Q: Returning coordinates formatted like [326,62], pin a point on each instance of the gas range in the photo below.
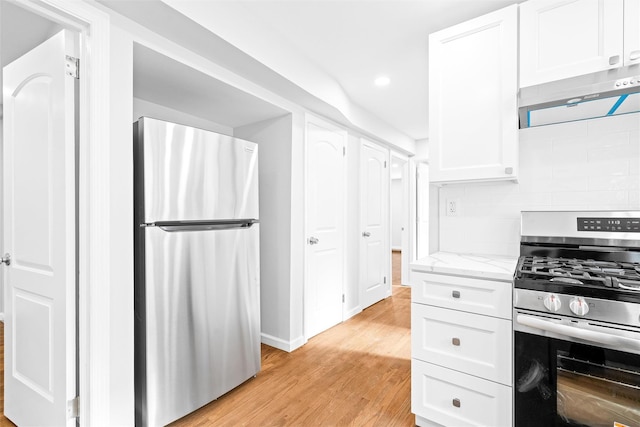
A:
[580,267]
[576,319]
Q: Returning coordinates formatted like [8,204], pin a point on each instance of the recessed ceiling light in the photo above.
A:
[382,81]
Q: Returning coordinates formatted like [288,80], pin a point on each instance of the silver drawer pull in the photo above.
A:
[455,341]
[456,402]
[455,294]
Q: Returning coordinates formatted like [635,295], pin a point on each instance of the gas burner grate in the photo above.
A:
[619,275]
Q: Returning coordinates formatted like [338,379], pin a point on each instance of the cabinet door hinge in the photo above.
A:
[72,66]
[385,163]
[344,151]
[384,279]
[343,298]
[73,407]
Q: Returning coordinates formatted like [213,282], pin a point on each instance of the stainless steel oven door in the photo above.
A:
[565,378]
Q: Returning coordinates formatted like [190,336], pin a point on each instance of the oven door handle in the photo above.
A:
[572,331]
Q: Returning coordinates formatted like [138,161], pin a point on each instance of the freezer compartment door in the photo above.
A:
[193,174]
[202,317]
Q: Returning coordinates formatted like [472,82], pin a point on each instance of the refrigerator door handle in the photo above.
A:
[220,224]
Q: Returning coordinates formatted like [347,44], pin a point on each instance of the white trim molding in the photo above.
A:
[281,344]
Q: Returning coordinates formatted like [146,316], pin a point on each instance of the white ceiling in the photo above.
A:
[351,42]
[346,42]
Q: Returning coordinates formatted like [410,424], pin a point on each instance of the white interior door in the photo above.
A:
[40,235]
[375,248]
[325,189]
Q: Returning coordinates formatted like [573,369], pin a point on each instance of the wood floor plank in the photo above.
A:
[354,374]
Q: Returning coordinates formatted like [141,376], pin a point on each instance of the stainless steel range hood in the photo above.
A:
[607,93]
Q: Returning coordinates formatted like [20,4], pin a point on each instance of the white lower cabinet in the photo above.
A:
[462,351]
[451,398]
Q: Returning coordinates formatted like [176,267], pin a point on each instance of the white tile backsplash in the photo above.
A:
[588,165]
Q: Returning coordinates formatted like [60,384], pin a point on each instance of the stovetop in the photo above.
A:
[583,277]
[578,271]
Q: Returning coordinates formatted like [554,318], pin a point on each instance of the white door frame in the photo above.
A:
[309,118]
[94,308]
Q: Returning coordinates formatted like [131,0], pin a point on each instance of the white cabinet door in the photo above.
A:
[631,32]
[471,343]
[450,398]
[567,38]
[39,233]
[375,251]
[473,123]
[325,227]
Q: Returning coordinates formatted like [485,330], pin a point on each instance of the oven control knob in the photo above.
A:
[552,302]
[579,306]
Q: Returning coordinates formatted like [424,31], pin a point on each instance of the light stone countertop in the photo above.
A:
[470,265]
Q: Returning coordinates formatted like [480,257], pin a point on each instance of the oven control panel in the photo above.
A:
[616,225]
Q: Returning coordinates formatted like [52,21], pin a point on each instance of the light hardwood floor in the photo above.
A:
[396,268]
[4,422]
[355,374]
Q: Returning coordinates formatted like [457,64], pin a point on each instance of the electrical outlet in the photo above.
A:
[453,206]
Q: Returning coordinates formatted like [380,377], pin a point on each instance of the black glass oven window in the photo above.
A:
[559,383]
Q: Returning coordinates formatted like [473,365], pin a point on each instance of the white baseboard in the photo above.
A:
[396,248]
[281,344]
[1,317]
[349,314]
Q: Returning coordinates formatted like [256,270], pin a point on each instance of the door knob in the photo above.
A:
[6,259]
[366,234]
[313,241]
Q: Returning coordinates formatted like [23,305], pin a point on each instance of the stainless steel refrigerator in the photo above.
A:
[197,303]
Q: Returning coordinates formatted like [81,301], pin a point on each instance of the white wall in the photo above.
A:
[422,150]
[584,165]
[397,212]
[145,108]
[274,139]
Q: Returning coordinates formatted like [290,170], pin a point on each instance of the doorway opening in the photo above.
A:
[399,219]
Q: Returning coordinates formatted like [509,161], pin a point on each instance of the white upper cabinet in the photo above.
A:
[473,123]
[567,38]
[631,32]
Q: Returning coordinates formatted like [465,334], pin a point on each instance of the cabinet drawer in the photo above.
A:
[452,398]
[489,297]
[478,345]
